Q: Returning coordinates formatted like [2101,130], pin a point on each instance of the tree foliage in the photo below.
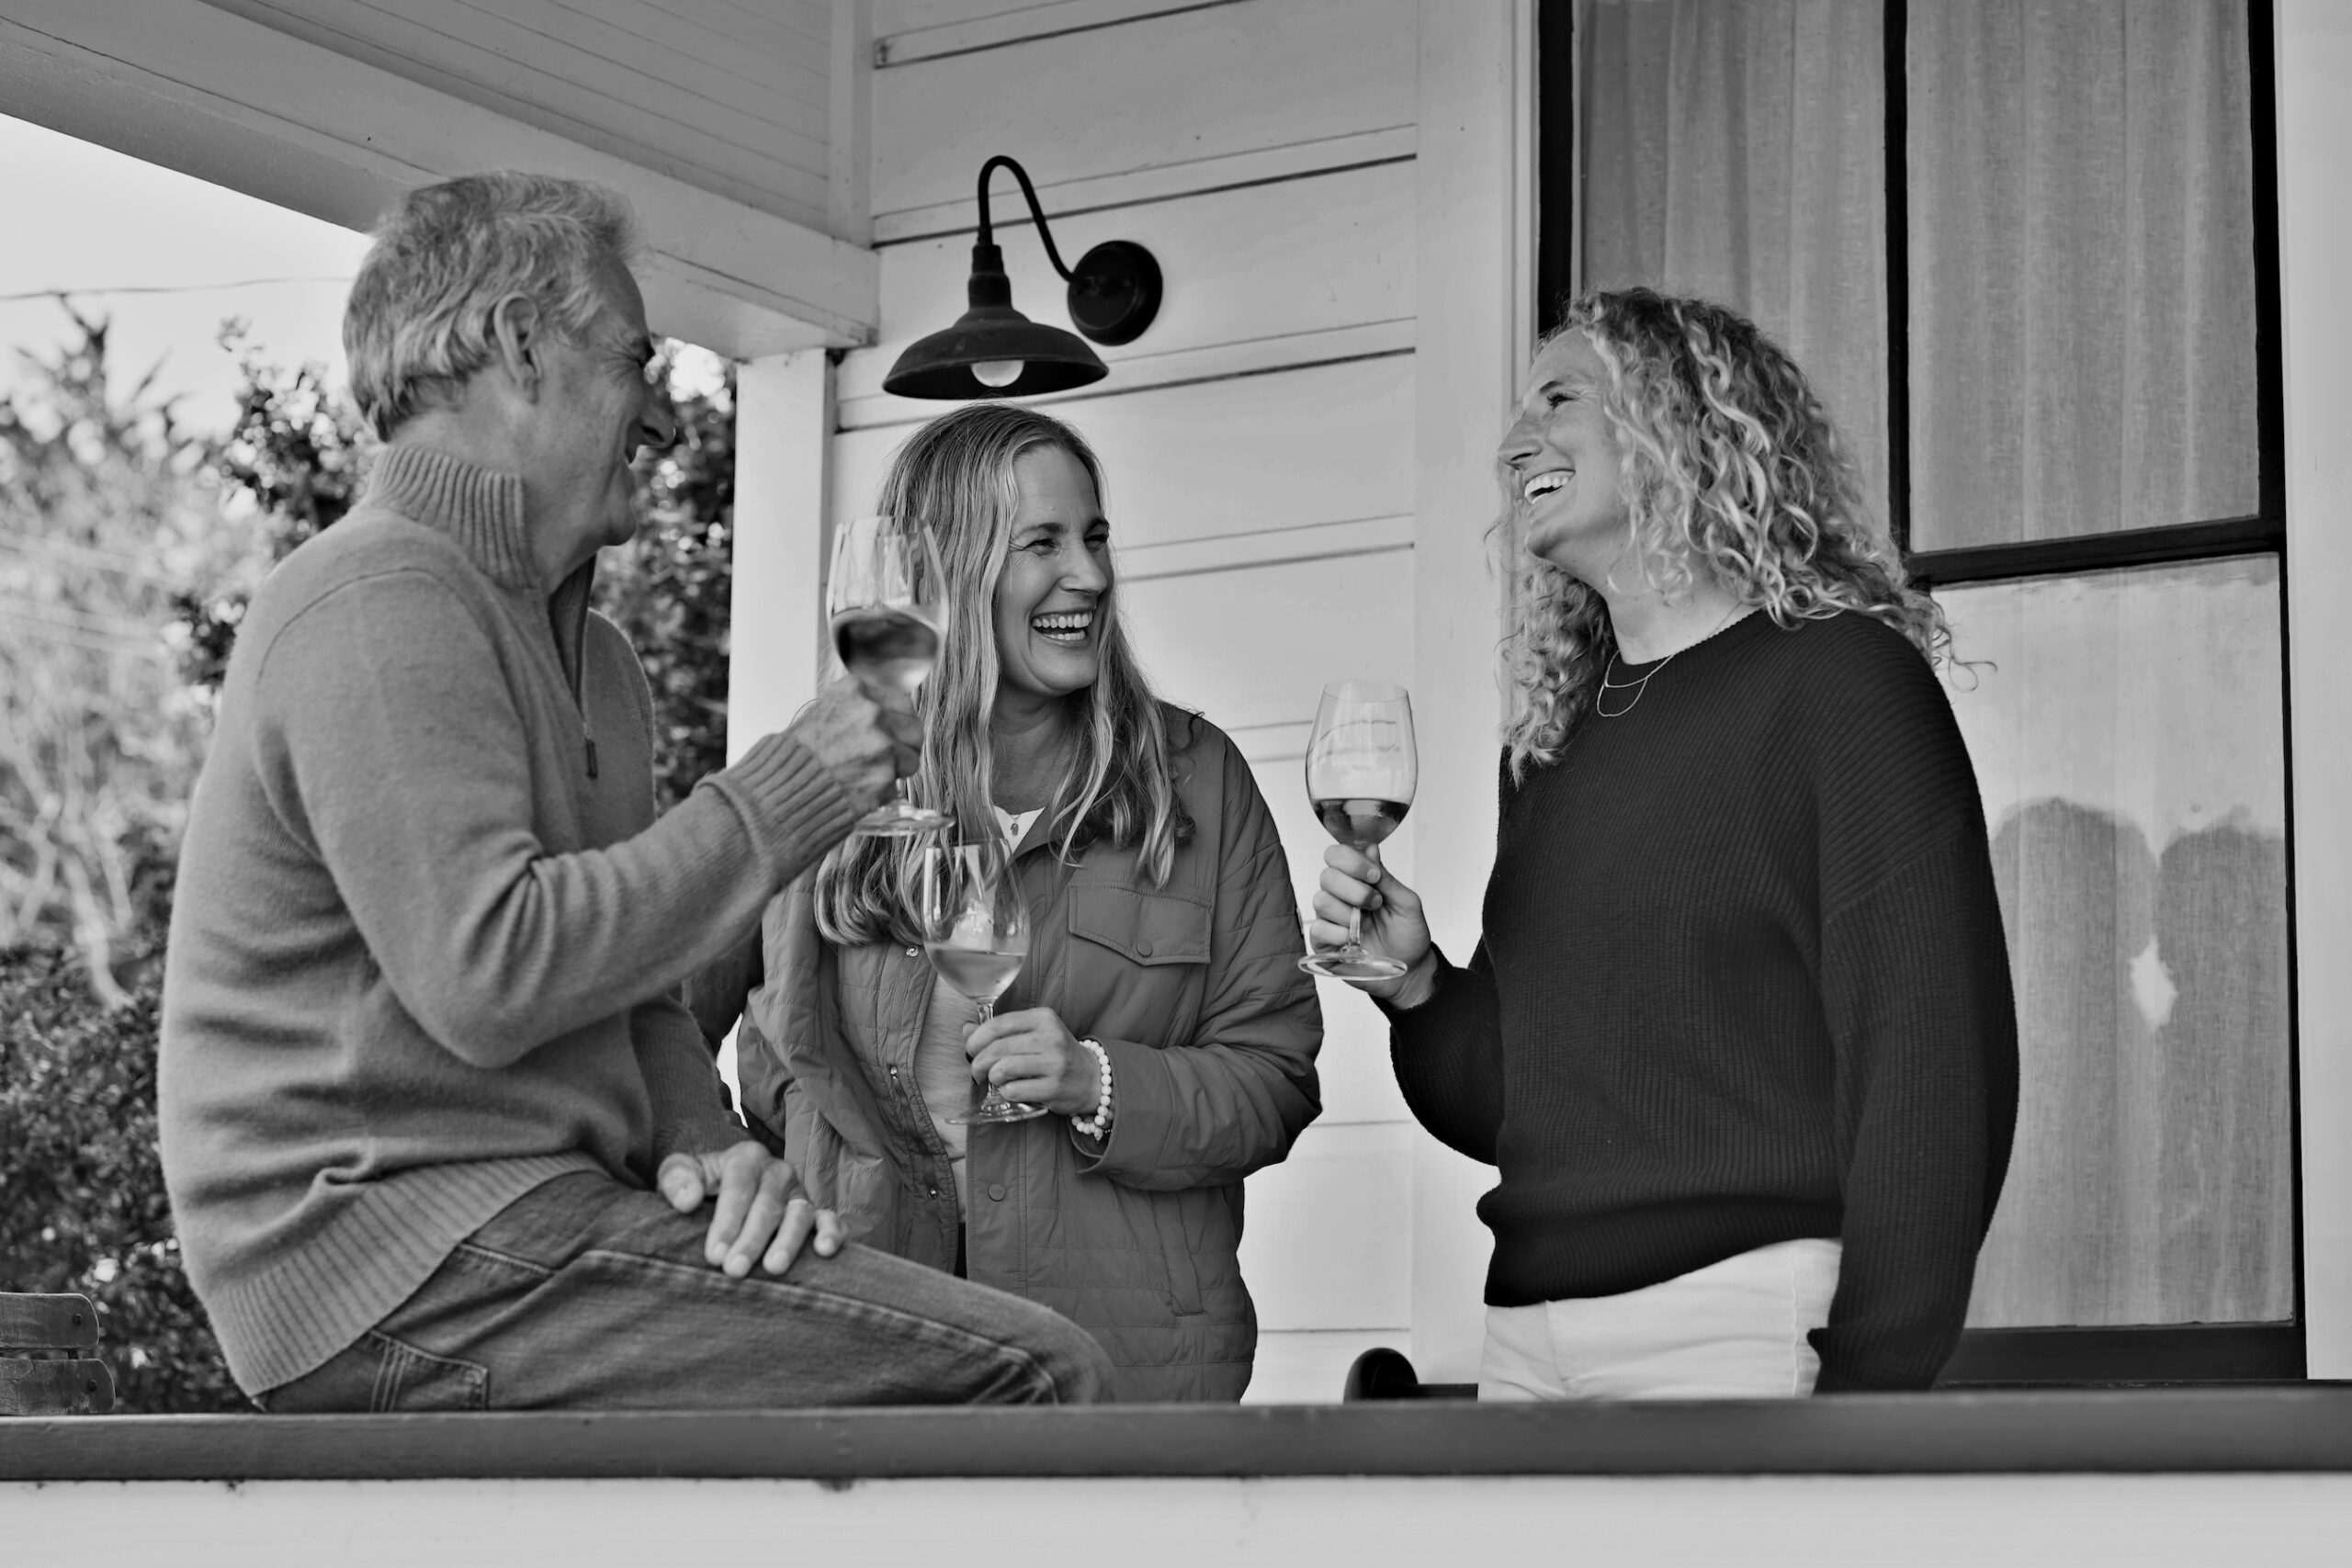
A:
[82,1202]
[108,509]
[669,590]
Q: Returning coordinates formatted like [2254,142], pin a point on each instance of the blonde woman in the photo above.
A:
[1160,1018]
[1738,1035]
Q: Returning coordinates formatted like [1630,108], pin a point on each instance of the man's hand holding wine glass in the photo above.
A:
[867,745]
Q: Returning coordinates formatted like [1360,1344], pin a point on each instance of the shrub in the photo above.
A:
[82,1204]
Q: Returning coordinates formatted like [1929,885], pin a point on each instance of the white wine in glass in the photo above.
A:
[976,933]
[884,600]
[1361,773]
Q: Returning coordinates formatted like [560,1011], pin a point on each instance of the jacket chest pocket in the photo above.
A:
[1147,928]
[1138,962]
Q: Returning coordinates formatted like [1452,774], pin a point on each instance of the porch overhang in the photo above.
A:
[182,84]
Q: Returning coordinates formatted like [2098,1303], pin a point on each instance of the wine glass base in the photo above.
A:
[1000,1111]
[899,822]
[1340,965]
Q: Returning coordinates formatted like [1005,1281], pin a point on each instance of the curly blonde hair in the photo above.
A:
[1729,466]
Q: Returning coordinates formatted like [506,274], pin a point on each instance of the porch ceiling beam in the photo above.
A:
[180,84]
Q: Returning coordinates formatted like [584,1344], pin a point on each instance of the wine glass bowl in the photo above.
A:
[1362,770]
[976,933]
[883,605]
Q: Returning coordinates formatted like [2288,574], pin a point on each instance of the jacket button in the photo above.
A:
[996,1191]
[1143,950]
[934,1191]
[914,952]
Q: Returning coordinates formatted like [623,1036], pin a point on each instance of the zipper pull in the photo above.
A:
[591,756]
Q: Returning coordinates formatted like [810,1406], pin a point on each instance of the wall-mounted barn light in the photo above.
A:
[994,351]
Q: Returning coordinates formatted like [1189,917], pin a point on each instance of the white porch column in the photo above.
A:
[2315,60]
[1473,258]
[784,436]
[783,441]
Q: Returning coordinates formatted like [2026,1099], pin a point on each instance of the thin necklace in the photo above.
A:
[1637,687]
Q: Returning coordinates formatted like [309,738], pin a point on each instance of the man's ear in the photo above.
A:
[518,340]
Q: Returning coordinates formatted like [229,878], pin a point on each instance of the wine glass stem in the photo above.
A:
[990,1097]
[1355,915]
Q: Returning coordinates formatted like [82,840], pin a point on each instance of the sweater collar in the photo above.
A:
[480,508]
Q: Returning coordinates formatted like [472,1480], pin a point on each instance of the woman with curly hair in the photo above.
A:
[1738,1034]
[1161,1019]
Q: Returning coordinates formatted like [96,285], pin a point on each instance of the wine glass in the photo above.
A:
[1361,771]
[883,601]
[976,932]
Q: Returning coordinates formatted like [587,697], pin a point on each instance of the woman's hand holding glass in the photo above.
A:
[976,931]
[1031,1058]
[1392,925]
[1362,770]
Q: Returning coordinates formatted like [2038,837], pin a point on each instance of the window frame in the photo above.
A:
[2166,1353]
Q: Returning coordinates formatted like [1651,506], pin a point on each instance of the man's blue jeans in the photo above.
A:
[584,1294]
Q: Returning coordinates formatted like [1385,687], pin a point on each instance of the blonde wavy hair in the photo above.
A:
[956,477]
[1729,466]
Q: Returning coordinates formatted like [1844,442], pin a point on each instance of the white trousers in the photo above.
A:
[1732,1330]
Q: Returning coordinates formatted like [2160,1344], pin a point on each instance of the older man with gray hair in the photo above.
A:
[437,1132]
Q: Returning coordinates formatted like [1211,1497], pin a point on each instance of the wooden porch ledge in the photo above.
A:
[2302,1428]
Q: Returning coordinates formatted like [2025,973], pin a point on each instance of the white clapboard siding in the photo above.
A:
[1257,279]
[924,29]
[1254,648]
[1325,1243]
[1315,461]
[1190,87]
[1299,1366]
[598,72]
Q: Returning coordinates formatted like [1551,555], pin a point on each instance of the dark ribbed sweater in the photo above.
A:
[1742,981]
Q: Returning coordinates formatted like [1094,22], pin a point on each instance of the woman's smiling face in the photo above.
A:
[1562,461]
[1049,624]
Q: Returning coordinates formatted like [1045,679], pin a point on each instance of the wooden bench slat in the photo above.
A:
[76,1387]
[48,1323]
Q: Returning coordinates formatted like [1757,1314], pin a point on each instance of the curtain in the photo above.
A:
[2081,239]
[1736,149]
[2124,728]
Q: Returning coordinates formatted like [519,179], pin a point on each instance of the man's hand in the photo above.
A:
[1032,1059]
[863,743]
[763,1217]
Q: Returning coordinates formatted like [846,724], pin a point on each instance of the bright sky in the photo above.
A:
[82,217]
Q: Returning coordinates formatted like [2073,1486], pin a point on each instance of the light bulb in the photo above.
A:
[997,372]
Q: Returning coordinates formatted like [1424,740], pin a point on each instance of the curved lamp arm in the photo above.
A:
[1001,161]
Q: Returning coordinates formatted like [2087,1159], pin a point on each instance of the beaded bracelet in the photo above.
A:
[1099,1124]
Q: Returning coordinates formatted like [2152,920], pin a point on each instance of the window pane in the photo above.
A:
[1736,149]
[2081,239]
[2128,736]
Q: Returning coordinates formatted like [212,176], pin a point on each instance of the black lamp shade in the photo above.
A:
[940,366]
